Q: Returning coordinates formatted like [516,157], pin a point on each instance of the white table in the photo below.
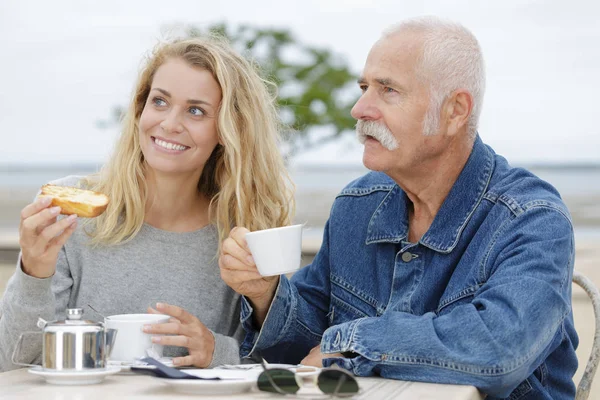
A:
[19,384]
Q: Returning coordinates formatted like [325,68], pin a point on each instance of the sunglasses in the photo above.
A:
[332,381]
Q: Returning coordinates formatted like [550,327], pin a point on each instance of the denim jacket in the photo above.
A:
[483,298]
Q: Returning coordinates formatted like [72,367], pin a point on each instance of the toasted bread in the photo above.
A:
[71,200]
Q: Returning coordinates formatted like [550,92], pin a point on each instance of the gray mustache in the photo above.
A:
[378,131]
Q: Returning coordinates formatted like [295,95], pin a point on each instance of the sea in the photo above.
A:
[579,185]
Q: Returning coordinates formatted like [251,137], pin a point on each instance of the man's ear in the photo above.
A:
[458,108]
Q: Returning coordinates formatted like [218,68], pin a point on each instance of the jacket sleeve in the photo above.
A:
[25,300]
[496,340]
[297,317]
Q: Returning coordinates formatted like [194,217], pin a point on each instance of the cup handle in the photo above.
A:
[17,349]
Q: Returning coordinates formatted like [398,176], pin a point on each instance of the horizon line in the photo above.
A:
[96,166]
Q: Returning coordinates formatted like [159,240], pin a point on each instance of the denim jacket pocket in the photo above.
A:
[463,296]
[541,373]
[521,391]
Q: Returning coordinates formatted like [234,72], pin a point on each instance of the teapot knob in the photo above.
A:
[74,313]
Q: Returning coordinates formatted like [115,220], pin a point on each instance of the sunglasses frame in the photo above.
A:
[344,377]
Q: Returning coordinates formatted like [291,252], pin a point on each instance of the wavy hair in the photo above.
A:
[245,177]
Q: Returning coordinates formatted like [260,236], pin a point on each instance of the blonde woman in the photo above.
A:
[198,154]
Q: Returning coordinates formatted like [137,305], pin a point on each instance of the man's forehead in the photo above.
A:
[402,47]
[393,55]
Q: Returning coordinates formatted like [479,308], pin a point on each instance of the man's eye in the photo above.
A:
[159,102]
[363,88]
[196,111]
[388,89]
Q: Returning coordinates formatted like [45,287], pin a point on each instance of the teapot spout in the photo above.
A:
[111,335]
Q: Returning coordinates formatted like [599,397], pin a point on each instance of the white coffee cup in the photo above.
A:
[131,342]
[276,251]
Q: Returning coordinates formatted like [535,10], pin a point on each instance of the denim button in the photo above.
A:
[406,257]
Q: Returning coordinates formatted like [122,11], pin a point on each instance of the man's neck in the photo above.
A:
[428,185]
[174,203]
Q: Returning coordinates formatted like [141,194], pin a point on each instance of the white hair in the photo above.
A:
[378,131]
[450,59]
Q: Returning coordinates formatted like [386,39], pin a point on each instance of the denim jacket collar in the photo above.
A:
[389,222]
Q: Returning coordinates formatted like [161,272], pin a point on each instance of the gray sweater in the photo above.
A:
[156,266]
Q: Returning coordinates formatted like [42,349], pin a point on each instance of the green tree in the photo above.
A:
[316,87]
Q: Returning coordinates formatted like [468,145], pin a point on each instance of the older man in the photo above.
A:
[444,264]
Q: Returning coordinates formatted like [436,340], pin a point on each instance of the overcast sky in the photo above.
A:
[65,64]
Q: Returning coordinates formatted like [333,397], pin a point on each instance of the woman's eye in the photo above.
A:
[159,102]
[196,111]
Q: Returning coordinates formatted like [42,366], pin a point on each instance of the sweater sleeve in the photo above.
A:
[227,350]
[25,300]
[227,346]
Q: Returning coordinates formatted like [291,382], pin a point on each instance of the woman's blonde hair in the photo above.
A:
[245,177]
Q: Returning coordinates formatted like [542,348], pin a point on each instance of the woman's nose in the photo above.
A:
[172,123]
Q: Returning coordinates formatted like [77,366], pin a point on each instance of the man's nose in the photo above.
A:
[172,122]
[365,107]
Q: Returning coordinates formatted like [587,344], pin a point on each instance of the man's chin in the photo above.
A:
[371,162]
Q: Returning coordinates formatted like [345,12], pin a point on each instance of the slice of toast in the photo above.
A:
[71,200]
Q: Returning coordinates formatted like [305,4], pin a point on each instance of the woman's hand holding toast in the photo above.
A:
[41,237]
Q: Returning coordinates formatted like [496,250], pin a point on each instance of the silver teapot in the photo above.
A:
[73,344]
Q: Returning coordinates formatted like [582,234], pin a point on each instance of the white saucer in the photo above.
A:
[233,382]
[303,371]
[125,366]
[89,377]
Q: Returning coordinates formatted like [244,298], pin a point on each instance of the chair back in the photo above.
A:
[585,384]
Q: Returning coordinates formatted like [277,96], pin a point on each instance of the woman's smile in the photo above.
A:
[168,146]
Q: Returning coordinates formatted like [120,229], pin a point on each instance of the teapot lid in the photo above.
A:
[74,318]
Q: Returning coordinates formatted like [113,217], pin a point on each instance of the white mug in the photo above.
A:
[131,342]
[276,251]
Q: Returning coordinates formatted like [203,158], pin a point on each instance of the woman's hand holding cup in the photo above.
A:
[186,331]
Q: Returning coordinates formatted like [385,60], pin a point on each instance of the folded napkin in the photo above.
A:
[162,371]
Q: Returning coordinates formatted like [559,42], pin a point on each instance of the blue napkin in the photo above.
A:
[162,371]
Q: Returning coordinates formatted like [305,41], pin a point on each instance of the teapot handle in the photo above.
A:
[18,348]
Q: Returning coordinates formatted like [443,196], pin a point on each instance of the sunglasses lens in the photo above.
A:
[284,379]
[335,381]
